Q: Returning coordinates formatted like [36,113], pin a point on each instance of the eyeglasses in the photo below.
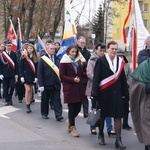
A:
[114,49]
[83,42]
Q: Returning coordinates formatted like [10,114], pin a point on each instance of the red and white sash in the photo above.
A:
[8,59]
[31,64]
[113,78]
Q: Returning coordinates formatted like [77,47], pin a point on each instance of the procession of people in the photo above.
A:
[104,78]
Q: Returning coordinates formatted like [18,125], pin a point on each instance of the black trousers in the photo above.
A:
[85,102]
[20,90]
[126,110]
[8,87]
[53,94]
[74,109]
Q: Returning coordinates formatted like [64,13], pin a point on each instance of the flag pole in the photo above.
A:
[134,42]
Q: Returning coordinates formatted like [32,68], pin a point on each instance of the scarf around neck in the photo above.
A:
[68,59]
[112,64]
[74,63]
[95,55]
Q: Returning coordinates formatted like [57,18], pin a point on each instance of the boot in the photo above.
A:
[101,140]
[119,145]
[125,124]
[147,147]
[28,108]
[68,125]
[74,132]
[127,127]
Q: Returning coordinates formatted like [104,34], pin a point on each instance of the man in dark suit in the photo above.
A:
[86,54]
[8,72]
[49,83]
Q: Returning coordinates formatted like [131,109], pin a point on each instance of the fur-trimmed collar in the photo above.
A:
[66,59]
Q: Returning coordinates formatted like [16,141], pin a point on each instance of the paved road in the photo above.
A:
[22,131]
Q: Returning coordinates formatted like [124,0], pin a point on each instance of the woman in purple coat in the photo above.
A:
[71,76]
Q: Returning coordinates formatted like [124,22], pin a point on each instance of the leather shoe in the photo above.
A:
[59,118]
[45,117]
[127,127]
[7,104]
[20,100]
[111,133]
[93,131]
[11,103]
[101,140]
[32,101]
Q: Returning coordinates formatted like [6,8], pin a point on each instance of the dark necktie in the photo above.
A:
[52,59]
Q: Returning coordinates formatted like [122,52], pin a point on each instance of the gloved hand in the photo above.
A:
[41,89]
[35,80]
[16,78]
[123,97]
[1,77]
[22,79]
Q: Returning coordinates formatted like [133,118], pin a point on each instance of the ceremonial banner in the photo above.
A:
[11,36]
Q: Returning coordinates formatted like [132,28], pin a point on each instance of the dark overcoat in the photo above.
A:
[109,99]
[86,54]
[6,70]
[26,71]
[73,92]
[46,75]
[143,55]
[140,111]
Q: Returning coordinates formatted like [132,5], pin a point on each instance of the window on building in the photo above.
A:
[145,23]
[118,15]
[144,7]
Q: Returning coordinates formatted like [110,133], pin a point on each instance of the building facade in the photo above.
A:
[121,9]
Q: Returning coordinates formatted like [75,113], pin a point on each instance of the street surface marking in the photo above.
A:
[7,109]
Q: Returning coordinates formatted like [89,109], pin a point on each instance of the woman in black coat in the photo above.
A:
[28,69]
[109,87]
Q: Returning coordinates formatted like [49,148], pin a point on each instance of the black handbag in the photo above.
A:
[94,118]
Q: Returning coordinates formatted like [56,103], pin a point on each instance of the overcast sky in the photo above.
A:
[90,9]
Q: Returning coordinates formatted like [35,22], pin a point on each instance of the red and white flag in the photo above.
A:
[134,40]
[12,36]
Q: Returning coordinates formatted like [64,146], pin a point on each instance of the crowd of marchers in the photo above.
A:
[103,76]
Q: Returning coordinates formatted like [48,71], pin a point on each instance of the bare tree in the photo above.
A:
[30,18]
[36,16]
